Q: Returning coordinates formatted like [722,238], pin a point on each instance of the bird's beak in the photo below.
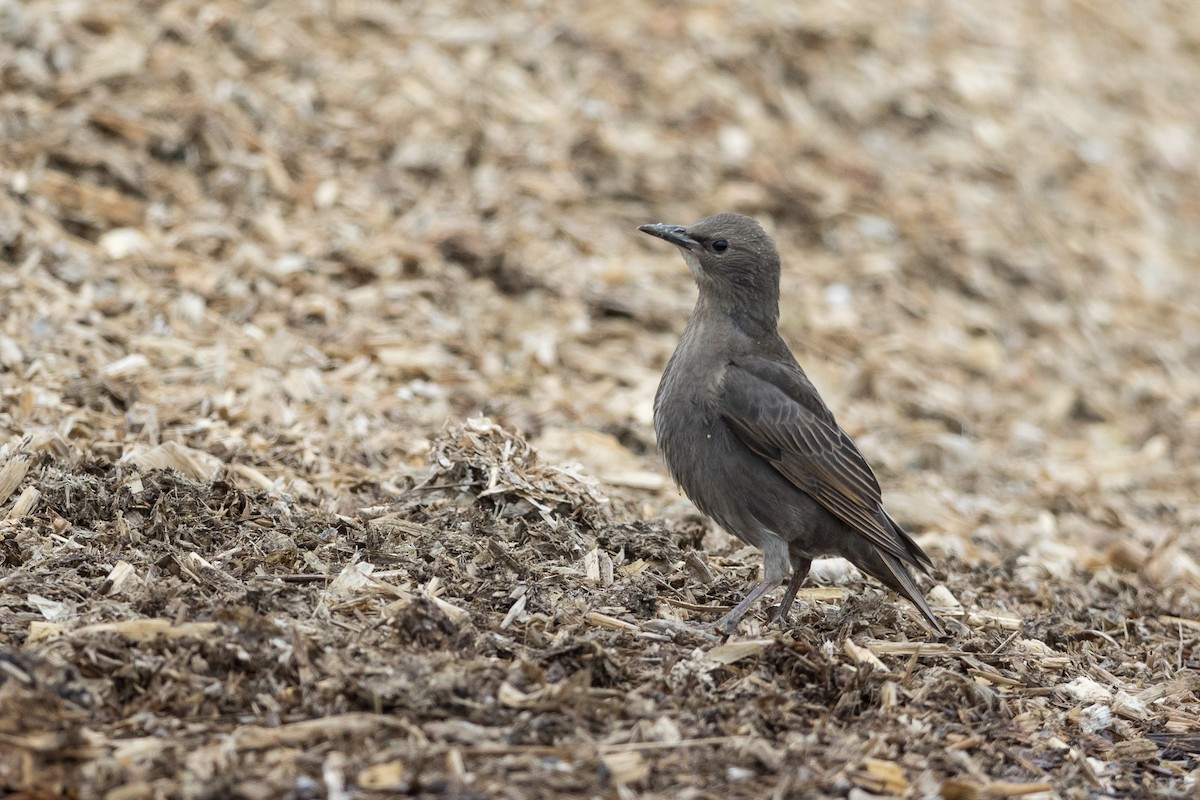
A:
[675,234]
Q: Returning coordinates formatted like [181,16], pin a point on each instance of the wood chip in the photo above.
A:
[391,776]
[887,648]
[11,475]
[1185,682]
[963,789]
[1134,750]
[628,767]
[189,461]
[881,777]
[96,205]
[734,651]
[143,630]
[121,572]
[598,567]
[863,655]
[604,620]
[25,503]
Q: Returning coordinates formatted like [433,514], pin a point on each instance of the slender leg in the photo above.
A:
[728,623]
[800,567]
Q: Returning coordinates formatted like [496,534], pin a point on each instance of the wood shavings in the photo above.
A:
[512,474]
[118,576]
[328,351]
[598,567]
[864,656]
[11,475]
[626,768]
[880,777]
[141,630]
[387,777]
[732,652]
[188,461]
[959,789]
[601,455]
[24,504]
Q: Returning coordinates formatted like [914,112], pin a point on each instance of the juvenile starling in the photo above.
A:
[748,439]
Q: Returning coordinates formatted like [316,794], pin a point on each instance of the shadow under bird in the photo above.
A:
[748,439]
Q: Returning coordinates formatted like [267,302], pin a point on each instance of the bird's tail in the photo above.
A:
[891,572]
[919,559]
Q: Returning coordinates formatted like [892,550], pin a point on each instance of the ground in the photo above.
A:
[328,346]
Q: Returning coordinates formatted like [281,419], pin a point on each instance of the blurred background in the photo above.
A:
[300,237]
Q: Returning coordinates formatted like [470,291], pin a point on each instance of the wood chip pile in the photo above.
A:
[327,352]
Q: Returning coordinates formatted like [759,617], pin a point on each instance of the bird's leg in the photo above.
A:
[728,623]
[800,567]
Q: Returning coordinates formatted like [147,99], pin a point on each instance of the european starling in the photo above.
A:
[748,439]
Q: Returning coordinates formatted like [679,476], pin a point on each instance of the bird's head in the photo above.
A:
[733,260]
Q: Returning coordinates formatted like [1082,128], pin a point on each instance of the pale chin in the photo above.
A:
[693,263]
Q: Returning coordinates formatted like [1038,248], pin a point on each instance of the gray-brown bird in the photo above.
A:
[748,439]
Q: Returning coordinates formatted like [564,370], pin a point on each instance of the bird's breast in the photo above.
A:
[687,425]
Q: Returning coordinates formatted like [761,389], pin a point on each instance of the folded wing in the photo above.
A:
[776,412]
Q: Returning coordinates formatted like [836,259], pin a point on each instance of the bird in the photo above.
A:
[747,437]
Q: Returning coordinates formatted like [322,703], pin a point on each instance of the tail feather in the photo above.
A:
[919,559]
[891,572]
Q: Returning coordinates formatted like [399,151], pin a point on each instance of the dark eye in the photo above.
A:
[720,246]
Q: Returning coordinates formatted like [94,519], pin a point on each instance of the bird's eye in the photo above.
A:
[720,246]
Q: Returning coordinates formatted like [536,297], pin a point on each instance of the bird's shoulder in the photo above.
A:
[775,409]
[772,366]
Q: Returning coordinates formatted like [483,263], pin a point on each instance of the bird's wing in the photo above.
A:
[782,372]
[809,449]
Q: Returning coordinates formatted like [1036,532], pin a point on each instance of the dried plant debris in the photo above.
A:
[426,652]
[499,467]
[327,353]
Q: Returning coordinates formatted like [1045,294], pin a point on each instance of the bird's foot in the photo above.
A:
[726,625]
[673,627]
[781,614]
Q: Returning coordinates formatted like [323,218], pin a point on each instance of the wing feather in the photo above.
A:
[803,442]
